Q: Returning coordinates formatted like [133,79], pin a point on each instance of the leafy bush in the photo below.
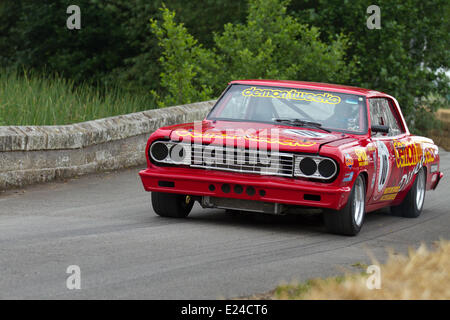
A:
[140,70]
[272,44]
[187,65]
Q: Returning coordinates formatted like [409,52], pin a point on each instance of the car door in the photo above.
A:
[388,170]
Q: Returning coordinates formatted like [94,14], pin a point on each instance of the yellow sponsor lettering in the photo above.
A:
[407,155]
[392,190]
[388,197]
[292,95]
[363,160]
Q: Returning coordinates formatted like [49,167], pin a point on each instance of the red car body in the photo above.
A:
[387,163]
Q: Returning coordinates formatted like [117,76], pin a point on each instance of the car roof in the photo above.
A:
[312,86]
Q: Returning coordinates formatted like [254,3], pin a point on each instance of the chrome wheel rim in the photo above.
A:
[358,202]
[420,190]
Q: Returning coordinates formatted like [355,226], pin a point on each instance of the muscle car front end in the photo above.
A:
[280,146]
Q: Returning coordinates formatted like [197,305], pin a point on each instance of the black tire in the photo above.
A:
[172,205]
[409,207]
[344,221]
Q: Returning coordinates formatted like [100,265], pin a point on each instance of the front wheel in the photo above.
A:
[412,205]
[172,205]
[348,221]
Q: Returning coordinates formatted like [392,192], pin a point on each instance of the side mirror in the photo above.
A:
[378,128]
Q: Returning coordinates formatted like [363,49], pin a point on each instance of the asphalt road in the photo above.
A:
[105,225]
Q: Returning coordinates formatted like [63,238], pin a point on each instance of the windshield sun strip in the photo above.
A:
[226,91]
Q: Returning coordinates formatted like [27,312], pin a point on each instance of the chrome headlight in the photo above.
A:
[315,167]
[170,152]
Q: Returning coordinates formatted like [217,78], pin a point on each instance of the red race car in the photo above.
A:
[279,146]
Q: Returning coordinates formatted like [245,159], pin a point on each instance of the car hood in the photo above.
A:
[254,135]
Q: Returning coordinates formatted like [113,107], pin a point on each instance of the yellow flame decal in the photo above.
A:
[209,135]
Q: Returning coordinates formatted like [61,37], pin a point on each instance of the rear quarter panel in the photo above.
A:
[418,152]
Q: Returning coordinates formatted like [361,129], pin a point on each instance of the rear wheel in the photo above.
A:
[172,205]
[348,220]
[412,205]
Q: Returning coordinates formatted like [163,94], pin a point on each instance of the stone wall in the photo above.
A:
[34,154]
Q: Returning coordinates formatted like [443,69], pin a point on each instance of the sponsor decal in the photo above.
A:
[388,197]
[348,160]
[362,157]
[409,154]
[351,101]
[430,155]
[374,156]
[390,193]
[392,190]
[383,165]
[406,179]
[348,177]
[249,137]
[291,94]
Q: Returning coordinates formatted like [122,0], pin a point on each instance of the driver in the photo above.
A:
[345,116]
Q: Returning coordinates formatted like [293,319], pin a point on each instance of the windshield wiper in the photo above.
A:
[302,123]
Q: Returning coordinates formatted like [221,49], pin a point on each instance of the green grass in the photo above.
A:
[32,99]
[299,290]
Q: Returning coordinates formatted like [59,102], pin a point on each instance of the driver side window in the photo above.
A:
[382,114]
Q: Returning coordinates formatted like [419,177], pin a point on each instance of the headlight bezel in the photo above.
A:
[298,173]
[171,154]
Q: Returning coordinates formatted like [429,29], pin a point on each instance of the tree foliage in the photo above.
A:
[271,44]
[187,65]
[114,43]
[37,38]
[274,44]
[406,58]
[221,40]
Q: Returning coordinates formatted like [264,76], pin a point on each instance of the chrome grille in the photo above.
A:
[242,160]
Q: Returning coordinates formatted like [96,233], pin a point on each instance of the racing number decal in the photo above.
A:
[382,165]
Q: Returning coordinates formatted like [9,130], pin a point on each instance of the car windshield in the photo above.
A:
[297,107]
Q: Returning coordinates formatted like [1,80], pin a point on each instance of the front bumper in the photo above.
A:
[199,182]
